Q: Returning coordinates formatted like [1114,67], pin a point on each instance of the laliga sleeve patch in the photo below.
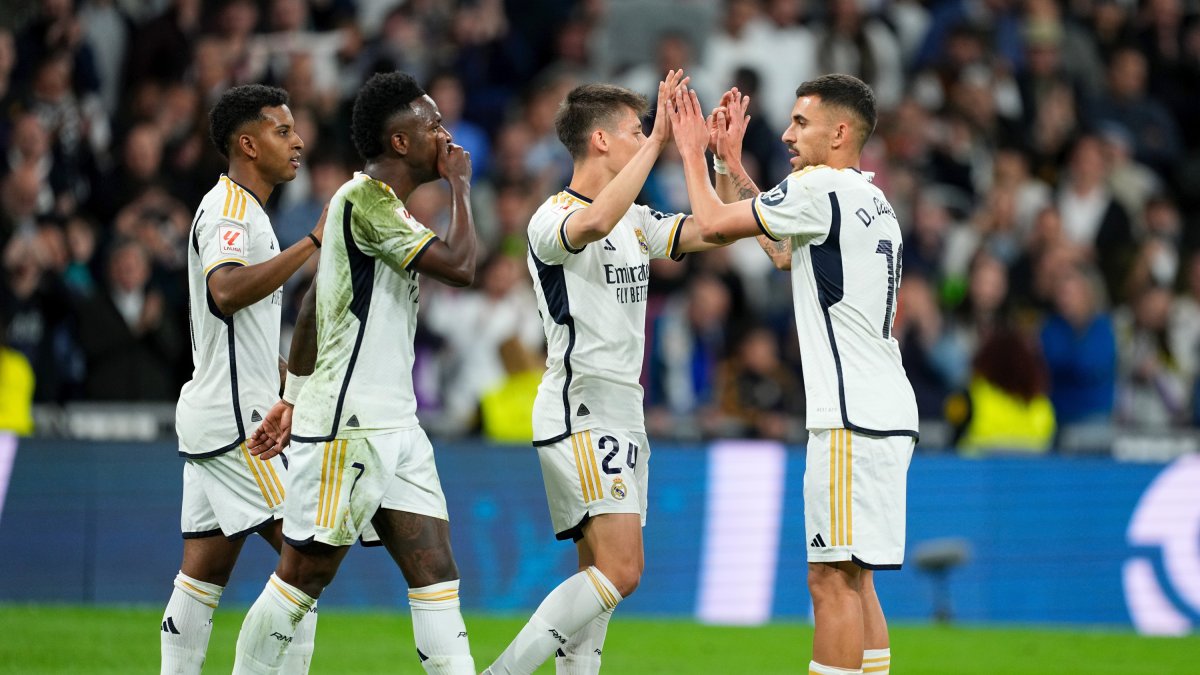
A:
[776,195]
[406,218]
[232,239]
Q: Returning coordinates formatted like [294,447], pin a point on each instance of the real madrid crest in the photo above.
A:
[618,489]
[642,240]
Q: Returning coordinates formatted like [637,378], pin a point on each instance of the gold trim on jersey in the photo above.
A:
[841,511]
[763,221]
[421,246]
[222,261]
[671,238]
[235,200]
[808,169]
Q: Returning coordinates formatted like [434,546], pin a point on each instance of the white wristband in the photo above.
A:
[292,387]
[720,166]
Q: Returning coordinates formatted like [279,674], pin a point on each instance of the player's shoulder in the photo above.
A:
[229,201]
[364,191]
[558,205]
[817,174]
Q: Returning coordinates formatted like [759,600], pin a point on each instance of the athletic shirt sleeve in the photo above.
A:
[662,232]
[548,230]
[793,209]
[220,242]
[387,231]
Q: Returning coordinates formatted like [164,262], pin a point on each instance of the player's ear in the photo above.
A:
[600,140]
[245,143]
[399,141]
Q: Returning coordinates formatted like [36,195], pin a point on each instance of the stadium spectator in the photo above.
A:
[1154,389]
[757,395]
[129,347]
[1080,349]
[1004,407]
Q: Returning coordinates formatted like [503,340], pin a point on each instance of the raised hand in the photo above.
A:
[661,133]
[453,162]
[688,123]
[729,136]
[719,115]
[273,434]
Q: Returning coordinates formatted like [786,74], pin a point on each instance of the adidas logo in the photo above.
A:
[353,421]
[421,655]
[255,417]
[817,541]
[582,410]
[168,626]
[608,246]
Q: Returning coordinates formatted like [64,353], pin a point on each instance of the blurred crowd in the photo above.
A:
[1037,153]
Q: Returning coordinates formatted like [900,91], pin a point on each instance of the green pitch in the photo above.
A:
[54,639]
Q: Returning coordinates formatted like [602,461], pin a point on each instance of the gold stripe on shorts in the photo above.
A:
[849,484]
[590,455]
[262,487]
[584,482]
[324,492]
[275,478]
[833,531]
[335,496]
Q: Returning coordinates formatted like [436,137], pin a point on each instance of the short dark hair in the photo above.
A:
[238,106]
[846,92]
[589,106]
[384,95]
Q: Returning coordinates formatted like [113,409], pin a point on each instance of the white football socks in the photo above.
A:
[439,631]
[569,607]
[270,627]
[298,658]
[187,625]
[581,654]
[877,661]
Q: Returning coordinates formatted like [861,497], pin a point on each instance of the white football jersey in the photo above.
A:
[366,317]
[235,377]
[593,306]
[846,268]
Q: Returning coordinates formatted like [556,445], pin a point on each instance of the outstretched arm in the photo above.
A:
[719,223]
[275,432]
[598,220]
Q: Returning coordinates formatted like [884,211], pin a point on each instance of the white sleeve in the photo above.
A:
[791,209]
[662,231]
[221,242]
[548,232]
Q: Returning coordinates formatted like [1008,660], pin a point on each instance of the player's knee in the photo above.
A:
[625,577]
[830,582]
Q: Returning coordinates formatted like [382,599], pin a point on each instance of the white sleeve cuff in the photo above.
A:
[292,387]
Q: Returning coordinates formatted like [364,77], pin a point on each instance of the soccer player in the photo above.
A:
[235,273]
[589,252]
[359,458]
[845,249]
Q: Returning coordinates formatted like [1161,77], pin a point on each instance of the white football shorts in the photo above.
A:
[591,473]
[233,494]
[855,495]
[335,487]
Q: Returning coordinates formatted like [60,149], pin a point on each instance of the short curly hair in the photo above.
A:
[384,95]
[589,106]
[238,106]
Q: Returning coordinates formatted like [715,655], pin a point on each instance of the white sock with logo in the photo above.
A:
[569,607]
[270,627]
[439,631]
[187,625]
[581,654]
[298,658]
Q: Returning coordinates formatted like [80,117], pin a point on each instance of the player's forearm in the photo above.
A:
[460,236]
[598,220]
[302,358]
[235,288]
[706,205]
